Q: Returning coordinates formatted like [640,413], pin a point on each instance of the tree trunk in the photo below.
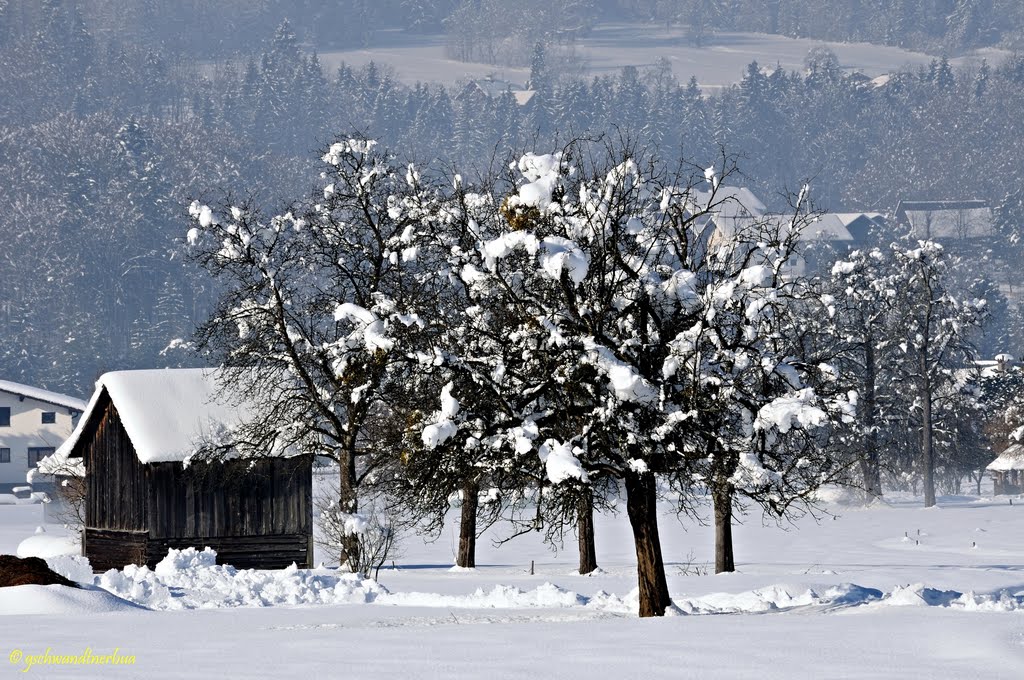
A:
[641,506]
[869,456]
[721,496]
[585,532]
[348,501]
[467,527]
[927,459]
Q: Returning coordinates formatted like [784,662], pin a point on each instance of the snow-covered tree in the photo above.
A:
[659,354]
[318,314]
[1002,410]
[938,325]
[476,388]
[862,323]
[905,342]
[762,396]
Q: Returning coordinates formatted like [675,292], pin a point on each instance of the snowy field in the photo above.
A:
[860,596]
[611,46]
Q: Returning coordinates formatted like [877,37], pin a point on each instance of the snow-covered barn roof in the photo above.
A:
[946,219]
[46,396]
[1010,459]
[167,413]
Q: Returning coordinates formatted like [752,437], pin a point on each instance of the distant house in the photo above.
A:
[137,432]
[947,221]
[726,205]
[843,230]
[722,213]
[1002,365]
[834,234]
[734,209]
[1008,470]
[478,90]
[33,423]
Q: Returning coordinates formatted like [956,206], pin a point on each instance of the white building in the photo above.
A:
[734,210]
[33,423]
[947,220]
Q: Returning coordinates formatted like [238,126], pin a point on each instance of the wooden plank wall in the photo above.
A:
[114,549]
[116,489]
[242,552]
[270,497]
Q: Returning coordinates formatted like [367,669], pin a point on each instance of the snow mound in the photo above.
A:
[833,494]
[851,594]
[762,600]
[597,572]
[547,596]
[46,546]
[606,602]
[918,595]
[770,599]
[191,579]
[182,560]
[27,600]
[72,567]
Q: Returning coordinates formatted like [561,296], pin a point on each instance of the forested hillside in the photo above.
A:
[208,29]
[114,115]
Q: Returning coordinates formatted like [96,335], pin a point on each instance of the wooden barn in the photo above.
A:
[136,434]
[1008,471]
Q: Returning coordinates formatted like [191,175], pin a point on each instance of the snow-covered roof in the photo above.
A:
[1010,459]
[849,218]
[728,202]
[860,224]
[167,413]
[947,219]
[991,368]
[30,392]
[523,97]
[828,227]
[844,227]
